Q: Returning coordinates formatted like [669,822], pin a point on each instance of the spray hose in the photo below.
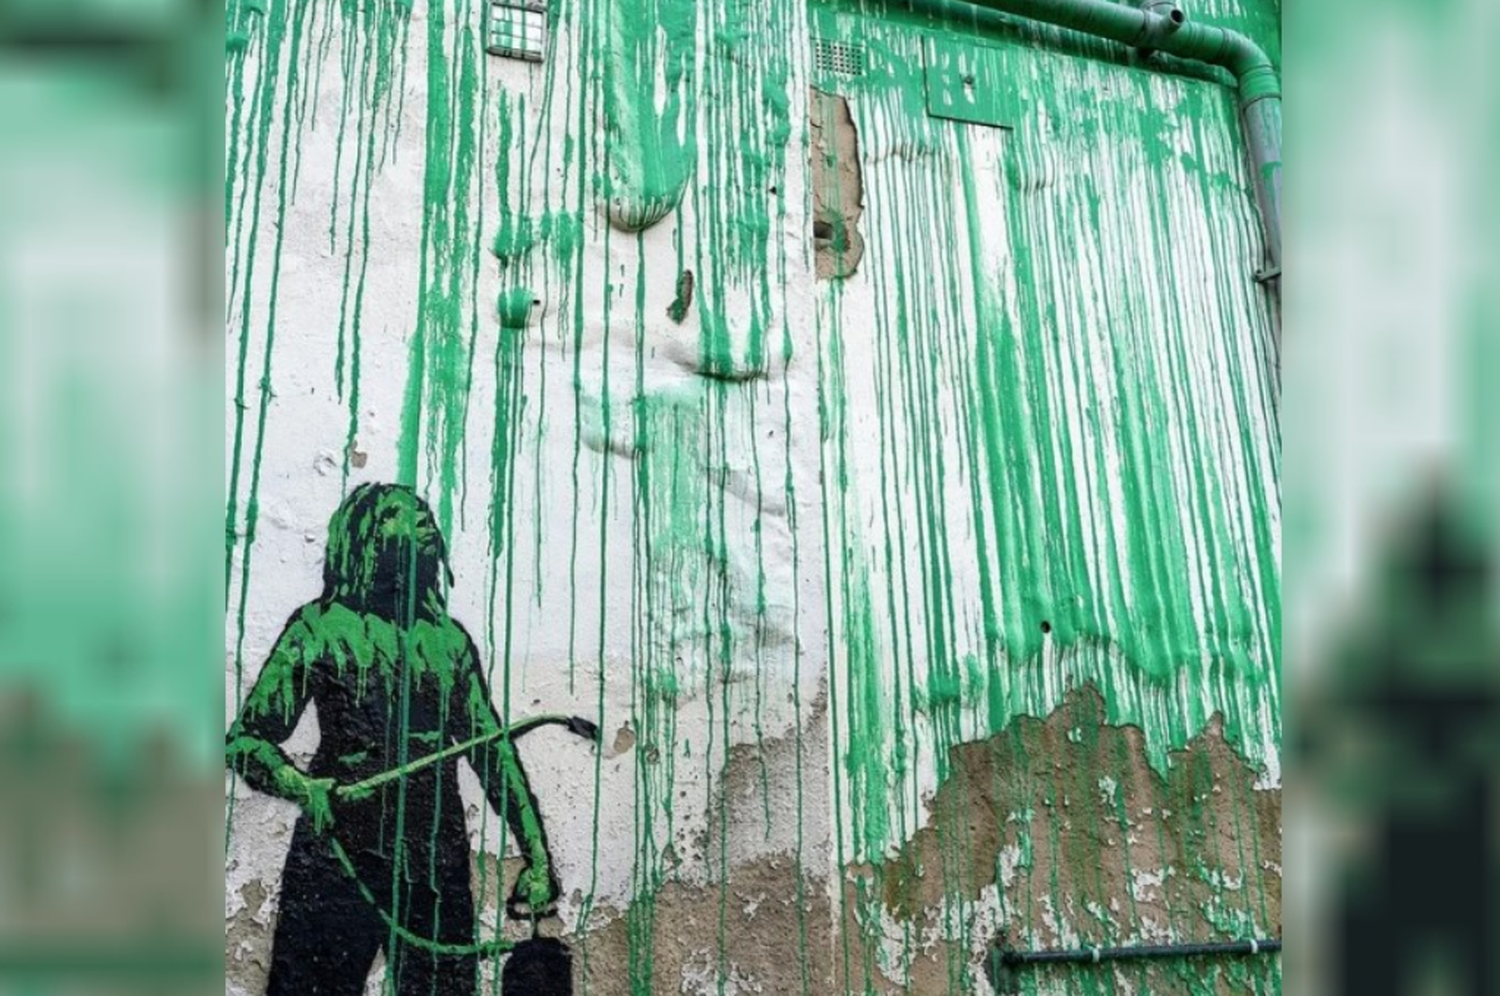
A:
[494,947]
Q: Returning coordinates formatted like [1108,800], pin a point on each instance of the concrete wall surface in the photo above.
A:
[880,501]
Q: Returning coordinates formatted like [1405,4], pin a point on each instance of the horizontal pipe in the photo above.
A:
[1153,27]
[1101,954]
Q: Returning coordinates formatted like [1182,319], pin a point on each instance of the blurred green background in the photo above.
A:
[110,402]
[1391,500]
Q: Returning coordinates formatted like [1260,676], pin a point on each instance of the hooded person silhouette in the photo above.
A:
[379,859]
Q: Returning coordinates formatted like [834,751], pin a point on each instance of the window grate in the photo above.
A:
[516,29]
[833,58]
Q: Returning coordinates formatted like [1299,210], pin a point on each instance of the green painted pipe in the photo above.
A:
[1159,25]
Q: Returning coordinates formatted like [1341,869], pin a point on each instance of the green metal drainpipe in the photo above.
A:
[1160,25]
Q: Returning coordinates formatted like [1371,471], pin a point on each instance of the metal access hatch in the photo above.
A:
[968,82]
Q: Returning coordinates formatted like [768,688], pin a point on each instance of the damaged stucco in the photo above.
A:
[837,190]
[911,538]
[1060,834]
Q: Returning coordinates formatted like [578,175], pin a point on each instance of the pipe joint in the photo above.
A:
[1241,56]
[1165,8]
[1161,19]
[1258,83]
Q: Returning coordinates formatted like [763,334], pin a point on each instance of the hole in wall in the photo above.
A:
[678,309]
[624,741]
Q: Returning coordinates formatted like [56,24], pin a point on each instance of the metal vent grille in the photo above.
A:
[832,58]
[516,29]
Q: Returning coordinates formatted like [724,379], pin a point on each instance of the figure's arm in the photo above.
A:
[267,718]
[499,768]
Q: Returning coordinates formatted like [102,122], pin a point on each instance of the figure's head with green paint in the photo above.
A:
[386,555]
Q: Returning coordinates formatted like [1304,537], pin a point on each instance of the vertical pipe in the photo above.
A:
[1260,109]
[1261,115]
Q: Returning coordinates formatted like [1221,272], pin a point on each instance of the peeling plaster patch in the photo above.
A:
[1039,817]
[837,187]
[1145,886]
[1219,880]
[247,934]
[765,943]
[1006,866]
[752,904]
[705,977]
[1099,913]
[623,742]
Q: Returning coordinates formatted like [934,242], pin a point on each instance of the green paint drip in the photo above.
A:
[649,54]
[515,307]
[287,43]
[1025,499]
[518,235]
[436,394]
[747,124]
[1089,454]
[252,503]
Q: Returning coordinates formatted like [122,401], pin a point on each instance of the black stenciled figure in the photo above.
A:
[380,858]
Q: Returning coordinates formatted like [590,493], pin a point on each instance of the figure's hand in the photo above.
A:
[318,803]
[314,795]
[536,892]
